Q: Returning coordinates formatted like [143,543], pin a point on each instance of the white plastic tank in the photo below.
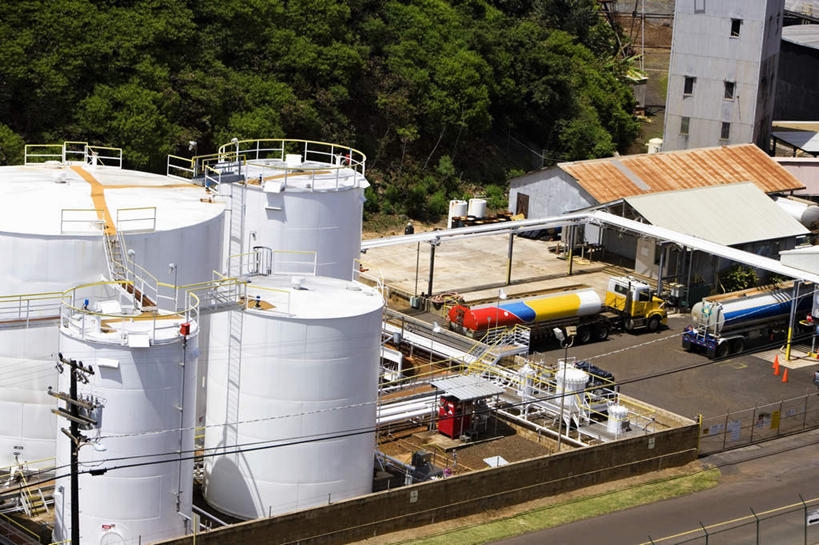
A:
[299,374]
[617,419]
[51,218]
[804,211]
[301,196]
[477,208]
[457,209]
[655,145]
[144,375]
[570,380]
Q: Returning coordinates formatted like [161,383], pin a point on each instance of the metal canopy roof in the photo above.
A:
[599,218]
[466,387]
[805,140]
[728,214]
[613,178]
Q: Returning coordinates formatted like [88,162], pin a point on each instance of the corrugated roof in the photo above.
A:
[728,214]
[467,387]
[805,140]
[806,35]
[613,178]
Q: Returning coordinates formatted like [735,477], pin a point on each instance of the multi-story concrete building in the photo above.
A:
[722,73]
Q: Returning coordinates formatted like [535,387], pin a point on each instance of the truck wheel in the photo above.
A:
[722,350]
[686,345]
[601,332]
[584,334]
[654,323]
[737,346]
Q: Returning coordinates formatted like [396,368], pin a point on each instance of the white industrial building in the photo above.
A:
[722,73]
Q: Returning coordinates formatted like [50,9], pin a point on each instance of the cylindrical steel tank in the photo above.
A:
[295,376]
[617,419]
[541,308]
[804,211]
[725,314]
[477,208]
[143,382]
[457,209]
[51,222]
[307,201]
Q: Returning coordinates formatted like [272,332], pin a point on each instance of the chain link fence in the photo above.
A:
[740,428]
[793,524]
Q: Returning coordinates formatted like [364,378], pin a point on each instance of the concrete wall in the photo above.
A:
[462,495]
[702,47]
[797,94]
[804,169]
[551,192]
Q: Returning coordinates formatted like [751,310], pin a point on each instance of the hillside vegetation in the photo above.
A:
[444,96]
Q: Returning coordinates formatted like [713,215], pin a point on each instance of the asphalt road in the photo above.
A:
[716,387]
[760,477]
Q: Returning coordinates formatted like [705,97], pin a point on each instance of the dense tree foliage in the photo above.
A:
[442,95]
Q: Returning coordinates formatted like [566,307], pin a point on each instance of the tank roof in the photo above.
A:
[54,199]
[311,297]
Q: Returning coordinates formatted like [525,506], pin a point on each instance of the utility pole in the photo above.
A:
[71,412]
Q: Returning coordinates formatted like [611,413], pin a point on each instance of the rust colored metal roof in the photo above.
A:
[618,177]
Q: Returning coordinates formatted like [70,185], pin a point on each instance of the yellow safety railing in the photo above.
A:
[73,150]
[147,222]
[24,308]
[19,526]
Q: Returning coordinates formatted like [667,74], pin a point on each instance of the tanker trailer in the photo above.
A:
[728,323]
[629,305]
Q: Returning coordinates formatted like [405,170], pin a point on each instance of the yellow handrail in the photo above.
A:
[17,524]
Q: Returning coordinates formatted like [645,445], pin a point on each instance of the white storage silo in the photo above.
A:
[51,222]
[572,381]
[301,196]
[304,383]
[144,366]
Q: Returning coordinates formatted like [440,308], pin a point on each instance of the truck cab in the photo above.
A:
[633,301]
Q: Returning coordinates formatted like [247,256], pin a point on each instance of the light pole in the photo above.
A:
[172,268]
[501,297]
[565,343]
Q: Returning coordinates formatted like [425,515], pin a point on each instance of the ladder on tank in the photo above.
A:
[237,228]
[234,376]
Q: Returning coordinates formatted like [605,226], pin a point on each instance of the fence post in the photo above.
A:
[756,518]
[705,532]
[725,430]
[753,424]
[805,413]
[805,519]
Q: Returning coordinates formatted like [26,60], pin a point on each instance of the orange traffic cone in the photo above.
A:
[775,363]
[785,375]
[776,366]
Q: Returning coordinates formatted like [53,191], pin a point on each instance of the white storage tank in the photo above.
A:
[144,375]
[617,419]
[802,210]
[51,220]
[307,369]
[457,209]
[572,381]
[477,208]
[301,196]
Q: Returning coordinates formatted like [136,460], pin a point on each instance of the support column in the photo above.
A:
[571,248]
[660,268]
[432,245]
[509,259]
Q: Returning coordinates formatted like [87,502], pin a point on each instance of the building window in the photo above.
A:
[688,85]
[684,122]
[725,133]
[736,24]
[729,90]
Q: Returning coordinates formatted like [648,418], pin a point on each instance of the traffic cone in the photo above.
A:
[776,366]
[785,375]
[775,363]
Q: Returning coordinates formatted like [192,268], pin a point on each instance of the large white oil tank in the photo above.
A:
[457,209]
[143,382]
[301,196]
[477,208]
[804,211]
[293,379]
[51,221]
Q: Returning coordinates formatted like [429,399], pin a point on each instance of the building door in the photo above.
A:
[522,206]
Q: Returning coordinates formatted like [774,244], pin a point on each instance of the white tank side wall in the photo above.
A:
[48,263]
[196,250]
[590,303]
[327,222]
[27,358]
[141,395]
[293,366]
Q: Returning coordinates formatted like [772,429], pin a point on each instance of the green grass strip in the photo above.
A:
[570,511]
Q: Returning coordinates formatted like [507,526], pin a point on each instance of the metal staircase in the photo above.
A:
[500,342]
